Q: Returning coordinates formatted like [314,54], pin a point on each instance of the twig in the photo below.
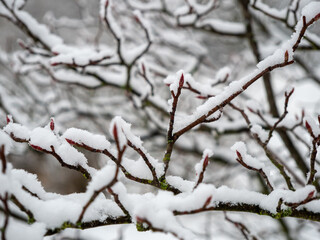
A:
[4,228]
[243,229]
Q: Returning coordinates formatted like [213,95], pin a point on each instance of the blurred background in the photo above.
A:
[31,91]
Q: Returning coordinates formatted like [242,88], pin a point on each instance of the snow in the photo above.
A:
[313,124]
[17,130]
[180,183]
[137,168]
[5,141]
[125,134]
[157,207]
[102,178]
[246,158]
[222,26]
[18,230]
[116,131]
[187,19]
[70,76]
[43,138]
[146,5]
[80,137]
[223,73]
[205,89]
[174,80]
[81,58]
[103,8]
[207,153]
[271,201]
[201,8]
[184,9]
[277,57]
[130,54]
[235,87]
[113,23]
[70,155]
[39,30]
[269,10]
[311,10]
[260,132]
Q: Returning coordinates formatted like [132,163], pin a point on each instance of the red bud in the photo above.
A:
[8,119]
[251,110]
[115,132]
[308,127]
[181,82]
[36,147]
[137,19]
[239,155]
[70,141]
[21,43]
[52,124]
[143,69]
[206,161]
[139,219]
[107,3]
[201,97]
[207,202]
[319,119]
[310,195]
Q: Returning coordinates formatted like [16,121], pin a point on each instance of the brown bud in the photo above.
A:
[286,56]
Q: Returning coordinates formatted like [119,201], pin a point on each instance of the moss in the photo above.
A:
[31,220]
[284,213]
[166,158]
[66,225]
[164,185]
[79,225]
[141,228]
